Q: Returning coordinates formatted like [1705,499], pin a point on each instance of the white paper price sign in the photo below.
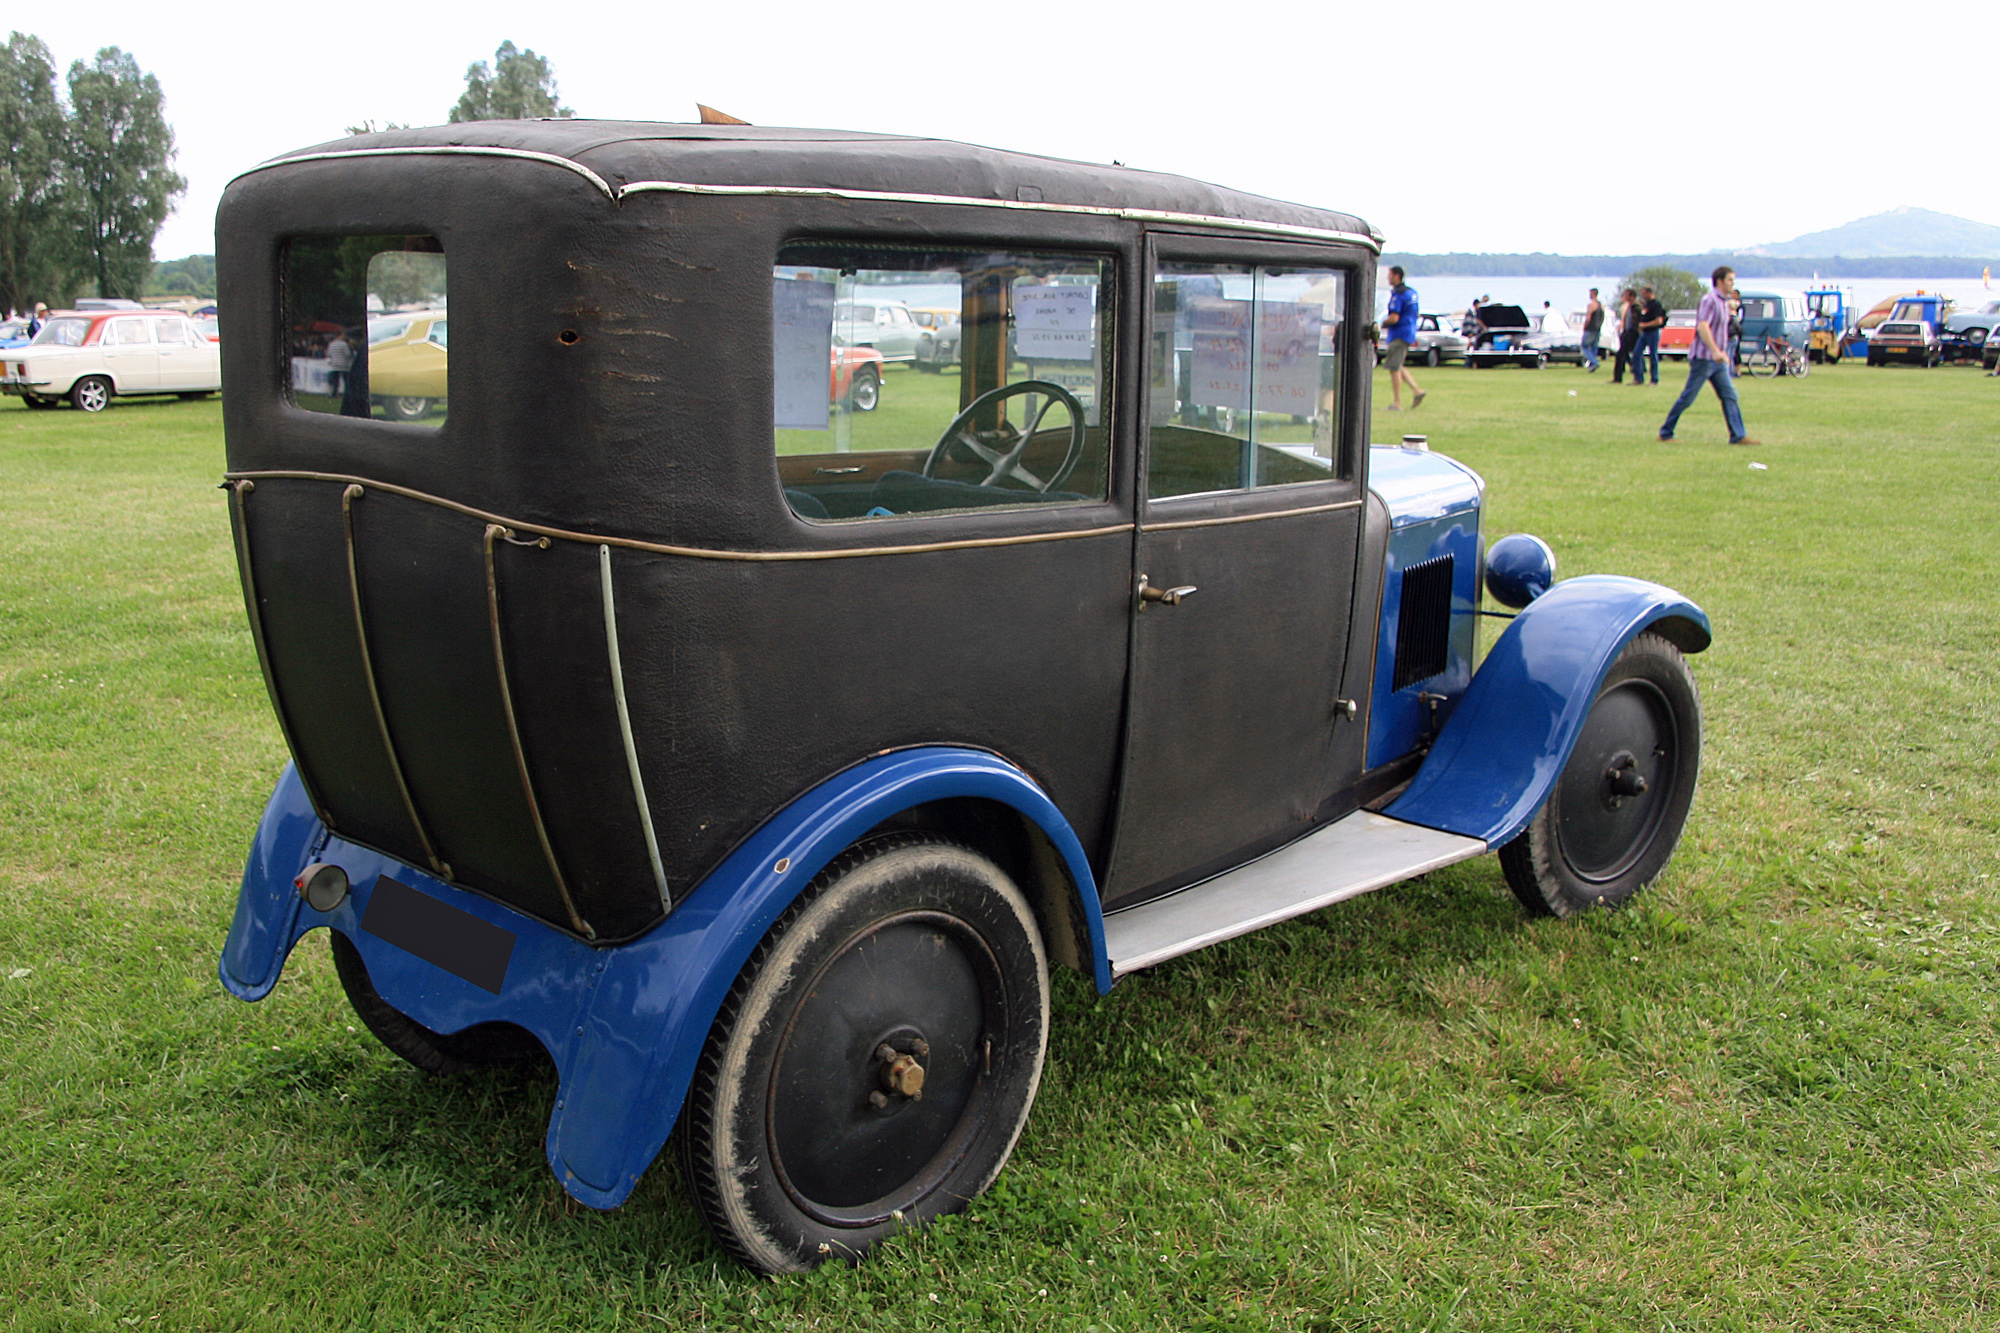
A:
[1053,323]
[801,351]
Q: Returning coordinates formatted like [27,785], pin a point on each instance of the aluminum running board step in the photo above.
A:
[1348,857]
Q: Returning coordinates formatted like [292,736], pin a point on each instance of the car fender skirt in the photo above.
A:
[266,924]
[640,1034]
[1507,740]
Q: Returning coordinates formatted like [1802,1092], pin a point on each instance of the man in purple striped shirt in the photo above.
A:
[1708,360]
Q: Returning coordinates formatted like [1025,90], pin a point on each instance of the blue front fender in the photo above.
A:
[1510,735]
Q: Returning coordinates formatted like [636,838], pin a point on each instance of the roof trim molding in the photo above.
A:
[459,150]
[1142,215]
[1146,216]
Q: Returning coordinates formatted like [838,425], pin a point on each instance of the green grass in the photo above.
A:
[1764,1098]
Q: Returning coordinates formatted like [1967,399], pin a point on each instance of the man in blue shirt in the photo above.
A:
[1709,360]
[1399,327]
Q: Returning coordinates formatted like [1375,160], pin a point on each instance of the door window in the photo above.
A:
[1245,385]
[873,421]
[131,333]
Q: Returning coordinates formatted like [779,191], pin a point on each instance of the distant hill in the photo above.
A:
[1900,231]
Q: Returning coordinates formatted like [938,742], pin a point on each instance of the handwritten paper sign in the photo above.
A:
[1287,355]
[1053,323]
[801,351]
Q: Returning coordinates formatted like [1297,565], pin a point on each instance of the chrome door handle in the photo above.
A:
[1164,596]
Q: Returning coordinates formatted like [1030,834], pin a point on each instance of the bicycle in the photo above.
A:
[1776,357]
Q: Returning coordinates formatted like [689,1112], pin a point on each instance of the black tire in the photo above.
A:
[797,1145]
[92,393]
[1615,814]
[486,1046]
[865,393]
[1432,357]
[35,401]
[194,397]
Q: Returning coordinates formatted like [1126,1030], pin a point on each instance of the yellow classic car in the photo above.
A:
[406,363]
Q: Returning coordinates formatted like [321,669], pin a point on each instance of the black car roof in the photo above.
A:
[626,156]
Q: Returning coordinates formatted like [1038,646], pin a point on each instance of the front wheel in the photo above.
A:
[874,1062]
[866,391]
[1615,814]
[92,393]
[35,401]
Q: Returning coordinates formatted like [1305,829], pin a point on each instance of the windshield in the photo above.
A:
[63,332]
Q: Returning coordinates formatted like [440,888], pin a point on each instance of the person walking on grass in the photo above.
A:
[1593,329]
[1400,325]
[1709,362]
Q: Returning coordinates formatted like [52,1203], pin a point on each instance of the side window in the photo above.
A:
[168,332]
[1006,406]
[132,333]
[1246,381]
[364,323]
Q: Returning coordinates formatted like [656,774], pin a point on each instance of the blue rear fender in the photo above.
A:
[1507,740]
[624,1024]
[642,1030]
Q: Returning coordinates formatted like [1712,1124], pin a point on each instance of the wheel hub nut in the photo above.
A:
[901,1074]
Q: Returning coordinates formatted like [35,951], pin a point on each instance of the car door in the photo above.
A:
[129,354]
[1251,509]
[185,361]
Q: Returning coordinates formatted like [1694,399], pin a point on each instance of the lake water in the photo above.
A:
[1450,295]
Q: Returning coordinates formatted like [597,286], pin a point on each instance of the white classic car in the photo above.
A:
[90,357]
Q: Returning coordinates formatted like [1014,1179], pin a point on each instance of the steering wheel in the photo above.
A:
[1006,463]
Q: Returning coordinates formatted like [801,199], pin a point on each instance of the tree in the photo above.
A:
[33,256]
[1677,288]
[519,86]
[116,167]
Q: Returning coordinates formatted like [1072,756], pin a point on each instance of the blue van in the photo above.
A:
[1773,313]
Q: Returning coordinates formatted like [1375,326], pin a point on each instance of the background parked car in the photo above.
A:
[1506,338]
[1969,334]
[937,344]
[13,333]
[1769,313]
[1909,340]
[886,326]
[1677,339]
[856,378]
[406,363]
[92,357]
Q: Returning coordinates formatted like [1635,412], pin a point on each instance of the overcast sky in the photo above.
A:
[1607,129]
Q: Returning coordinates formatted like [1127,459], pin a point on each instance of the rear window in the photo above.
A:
[63,333]
[365,327]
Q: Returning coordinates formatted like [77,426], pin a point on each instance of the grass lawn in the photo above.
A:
[1767,1097]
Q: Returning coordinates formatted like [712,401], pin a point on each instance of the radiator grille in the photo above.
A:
[1423,622]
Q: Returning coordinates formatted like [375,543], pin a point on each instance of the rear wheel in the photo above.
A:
[874,1062]
[194,397]
[92,393]
[486,1046]
[1615,814]
[1432,357]
[1762,363]
[407,408]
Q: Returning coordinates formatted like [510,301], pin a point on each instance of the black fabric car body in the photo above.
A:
[752,756]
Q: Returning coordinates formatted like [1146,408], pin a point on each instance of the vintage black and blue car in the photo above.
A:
[753,757]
